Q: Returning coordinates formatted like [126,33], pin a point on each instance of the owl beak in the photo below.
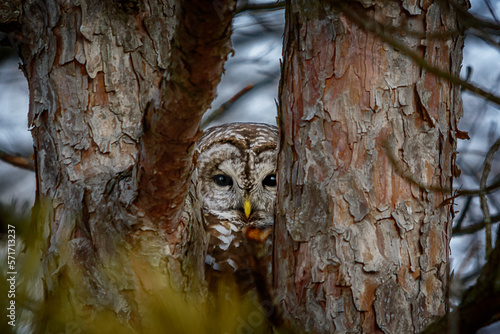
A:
[247,208]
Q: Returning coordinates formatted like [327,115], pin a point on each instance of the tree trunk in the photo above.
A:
[117,92]
[358,247]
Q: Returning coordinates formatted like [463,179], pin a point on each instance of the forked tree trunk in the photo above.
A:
[359,248]
[117,92]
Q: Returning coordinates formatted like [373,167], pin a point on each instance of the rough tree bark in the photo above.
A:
[117,92]
[359,248]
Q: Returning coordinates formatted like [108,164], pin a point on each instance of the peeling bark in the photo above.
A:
[172,120]
[357,247]
[480,303]
[9,12]
[117,91]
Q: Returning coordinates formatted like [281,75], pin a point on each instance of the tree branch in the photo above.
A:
[478,226]
[225,106]
[491,10]
[480,304]
[484,202]
[463,213]
[380,30]
[461,192]
[260,6]
[171,125]
[18,161]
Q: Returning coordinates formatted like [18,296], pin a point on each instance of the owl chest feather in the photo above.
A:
[234,161]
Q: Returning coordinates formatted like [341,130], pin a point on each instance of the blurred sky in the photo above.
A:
[257,52]
[16,185]
[482,120]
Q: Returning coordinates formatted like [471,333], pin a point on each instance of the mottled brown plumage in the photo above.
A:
[237,165]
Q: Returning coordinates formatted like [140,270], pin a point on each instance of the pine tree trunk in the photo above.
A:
[117,92]
[359,248]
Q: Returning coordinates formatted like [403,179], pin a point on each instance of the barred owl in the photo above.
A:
[237,186]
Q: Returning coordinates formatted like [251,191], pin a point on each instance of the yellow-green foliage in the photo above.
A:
[159,311]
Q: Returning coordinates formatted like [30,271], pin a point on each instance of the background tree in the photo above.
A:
[338,274]
[361,248]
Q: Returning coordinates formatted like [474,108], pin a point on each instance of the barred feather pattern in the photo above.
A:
[236,163]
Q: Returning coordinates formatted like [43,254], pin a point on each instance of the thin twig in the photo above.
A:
[476,124]
[463,213]
[473,228]
[477,225]
[260,6]
[371,25]
[473,248]
[446,190]
[471,21]
[225,106]
[471,173]
[17,161]
[491,9]
[480,303]
[484,202]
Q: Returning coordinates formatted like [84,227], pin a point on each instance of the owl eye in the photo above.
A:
[223,180]
[270,180]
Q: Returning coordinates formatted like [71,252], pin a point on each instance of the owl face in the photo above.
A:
[237,173]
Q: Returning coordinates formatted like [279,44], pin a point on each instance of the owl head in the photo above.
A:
[237,172]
